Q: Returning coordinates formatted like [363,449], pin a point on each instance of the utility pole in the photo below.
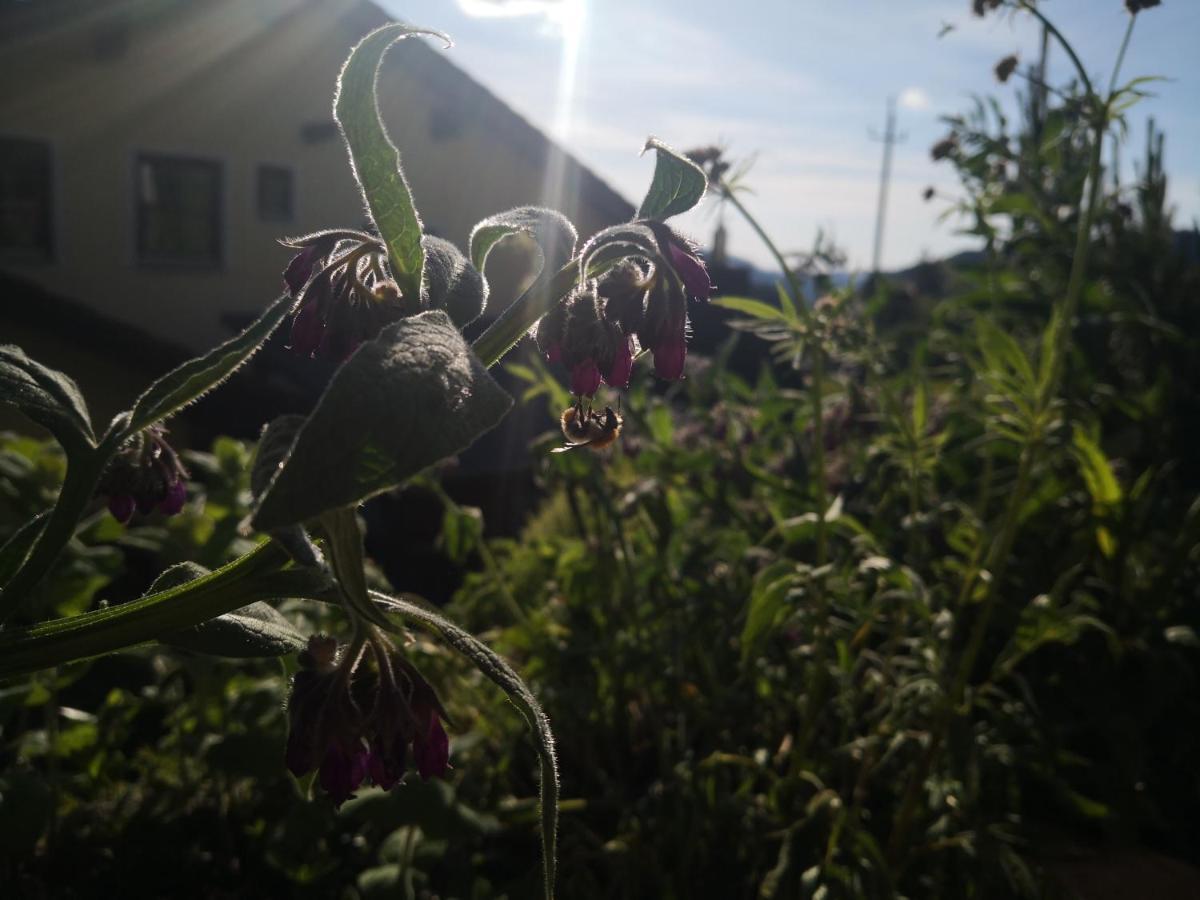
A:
[889,139]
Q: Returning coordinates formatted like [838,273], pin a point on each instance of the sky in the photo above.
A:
[800,87]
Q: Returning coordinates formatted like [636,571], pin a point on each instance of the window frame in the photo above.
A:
[259,170]
[51,253]
[220,224]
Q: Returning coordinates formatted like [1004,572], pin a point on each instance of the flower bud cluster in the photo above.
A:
[596,331]
[144,475]
[346,295]
[349,722]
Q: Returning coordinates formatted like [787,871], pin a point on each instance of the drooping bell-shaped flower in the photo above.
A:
[145,475]
[670,349]
[431,745]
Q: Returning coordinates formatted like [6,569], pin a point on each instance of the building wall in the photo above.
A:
[241,83]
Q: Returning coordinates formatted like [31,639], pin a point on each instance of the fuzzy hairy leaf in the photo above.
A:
[254,631]
[47,396]
[451,282]
[677,186]
[500,673]
[414,395]
[551,230]
[375,159]
[17,547]
[198,376]
[274,444]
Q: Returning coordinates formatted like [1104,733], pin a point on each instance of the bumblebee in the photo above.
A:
[588,428]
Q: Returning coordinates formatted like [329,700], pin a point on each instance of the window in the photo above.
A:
[178,210]
[26,229]
[275,194]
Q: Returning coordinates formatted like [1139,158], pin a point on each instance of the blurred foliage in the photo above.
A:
[734,719]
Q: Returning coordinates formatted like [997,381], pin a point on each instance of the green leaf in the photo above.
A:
[375,159]
[274,444]
[414,395]
[502,674]
[751,307]
[17,547]
[677,186]
[451,282]
[254,631]
[551,230]
[920,407]
[1002,353]
[198,376]
[47,396]
[768,602]
[1097,474]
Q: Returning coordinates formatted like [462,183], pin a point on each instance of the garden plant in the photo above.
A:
[910,610]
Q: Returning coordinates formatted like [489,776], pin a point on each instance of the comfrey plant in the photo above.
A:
[409,391]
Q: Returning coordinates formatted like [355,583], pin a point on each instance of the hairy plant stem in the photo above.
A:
[84,469]
[262,574]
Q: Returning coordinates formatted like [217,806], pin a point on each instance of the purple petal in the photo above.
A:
[385,762]
[554,354]
[621,366]
[299,270]
[432,753]
[300,754]
[585,378]
[121,506]
[343,770]
[691,271]
[307,329]
[670,351]
[176,496]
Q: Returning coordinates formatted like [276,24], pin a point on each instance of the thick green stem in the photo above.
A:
[1064,43]
[79,486]
[522,314]
[259,575]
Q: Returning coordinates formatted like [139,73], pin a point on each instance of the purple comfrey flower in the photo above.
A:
[300,269]
[348,301]
[386,761]
[585,377]
[343,768]
[349,721]
[670,349]
[431,745]
[307,329]
[620,367]
[690,268]
[144,475]
[122,507]
[175,497]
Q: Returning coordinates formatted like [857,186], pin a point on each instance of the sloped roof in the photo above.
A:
[108,24]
